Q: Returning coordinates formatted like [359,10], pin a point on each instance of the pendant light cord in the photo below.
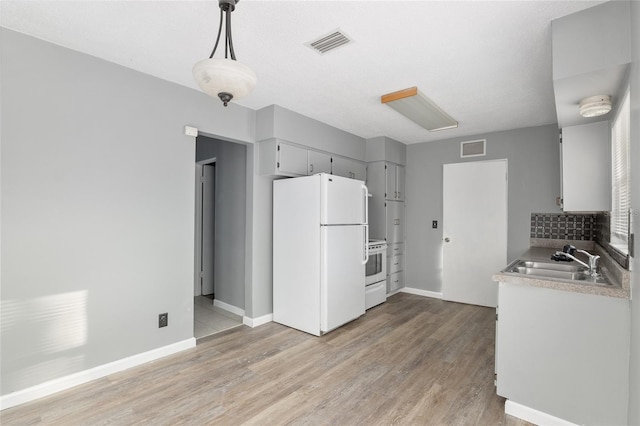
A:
[217,38]
[233,54]
[228,41]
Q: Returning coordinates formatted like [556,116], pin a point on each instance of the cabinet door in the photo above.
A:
[377,212]
[341,167]
[391,188]
[395,249]
[395,222]
[395,282]
[292,160]
[348,168]
[318,163]
[396,264]
[586,164]
[400,180]
[359,170]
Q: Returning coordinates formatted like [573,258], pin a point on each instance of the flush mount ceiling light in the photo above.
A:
[224,78]
[594,106]
[418,108]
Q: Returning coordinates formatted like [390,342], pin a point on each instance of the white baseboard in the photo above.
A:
[533,416]
[419,292]
[255,322]
[63,383]
[229,308]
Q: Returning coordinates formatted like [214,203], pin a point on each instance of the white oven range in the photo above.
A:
[376,274]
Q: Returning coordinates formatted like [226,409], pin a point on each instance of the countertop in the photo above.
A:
[616,277]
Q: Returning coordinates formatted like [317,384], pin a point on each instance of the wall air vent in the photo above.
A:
[329,42]
[473,148]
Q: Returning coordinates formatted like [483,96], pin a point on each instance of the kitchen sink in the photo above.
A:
[564,267]
[554,271]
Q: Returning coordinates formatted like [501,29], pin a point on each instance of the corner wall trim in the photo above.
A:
[419,292]
[229,308]
[66,382]
[255,322]
[532,415]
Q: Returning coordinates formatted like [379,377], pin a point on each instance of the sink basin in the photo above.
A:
[565,267]
[554,271]
[550,273]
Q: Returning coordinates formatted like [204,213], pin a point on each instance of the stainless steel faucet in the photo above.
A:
[593,260]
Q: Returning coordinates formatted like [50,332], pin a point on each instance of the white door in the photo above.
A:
[342,277]
[474,230]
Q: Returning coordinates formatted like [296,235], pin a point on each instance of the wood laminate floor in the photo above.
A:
[410,361]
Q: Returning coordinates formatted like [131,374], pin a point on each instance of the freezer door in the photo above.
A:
[343,201]
[342,275]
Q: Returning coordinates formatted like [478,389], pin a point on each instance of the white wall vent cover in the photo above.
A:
[473,148]
[328,42]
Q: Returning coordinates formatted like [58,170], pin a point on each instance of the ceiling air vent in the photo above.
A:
[473,148]
[329,42]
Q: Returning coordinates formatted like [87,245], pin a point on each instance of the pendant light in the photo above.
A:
[225,78]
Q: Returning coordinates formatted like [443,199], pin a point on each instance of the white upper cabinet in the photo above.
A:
[395,182]
[292,160]
[288,159]
[346,167]
[318,162]
[586,167]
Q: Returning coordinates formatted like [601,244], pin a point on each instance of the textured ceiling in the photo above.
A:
[487,63]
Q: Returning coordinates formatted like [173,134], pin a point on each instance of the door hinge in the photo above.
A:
[278,147]
[278,164]
[496,316]
[201,179]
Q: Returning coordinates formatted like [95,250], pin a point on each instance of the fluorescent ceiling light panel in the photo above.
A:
[418,108]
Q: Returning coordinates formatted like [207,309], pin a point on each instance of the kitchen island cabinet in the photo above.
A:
[562,351]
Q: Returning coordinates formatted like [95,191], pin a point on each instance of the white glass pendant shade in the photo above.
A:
[216,76]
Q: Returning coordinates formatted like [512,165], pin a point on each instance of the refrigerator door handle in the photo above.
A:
[365,199]
[366,245]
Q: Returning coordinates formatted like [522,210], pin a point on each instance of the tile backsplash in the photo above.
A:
[561,226]
[576,227]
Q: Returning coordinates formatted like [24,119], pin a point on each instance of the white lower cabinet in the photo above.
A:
[395,281]
[564,354]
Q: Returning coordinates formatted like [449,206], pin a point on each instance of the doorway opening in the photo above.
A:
[220,236]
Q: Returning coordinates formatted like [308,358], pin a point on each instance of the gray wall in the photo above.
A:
[634,374]
[534,183]
[230,216]
[97,209]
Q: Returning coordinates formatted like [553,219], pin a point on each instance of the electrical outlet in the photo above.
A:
[434,224]
[163,320]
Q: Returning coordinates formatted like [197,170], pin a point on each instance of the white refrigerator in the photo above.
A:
[320,236]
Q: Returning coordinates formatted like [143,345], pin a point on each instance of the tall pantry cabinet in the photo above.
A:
[386,183]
